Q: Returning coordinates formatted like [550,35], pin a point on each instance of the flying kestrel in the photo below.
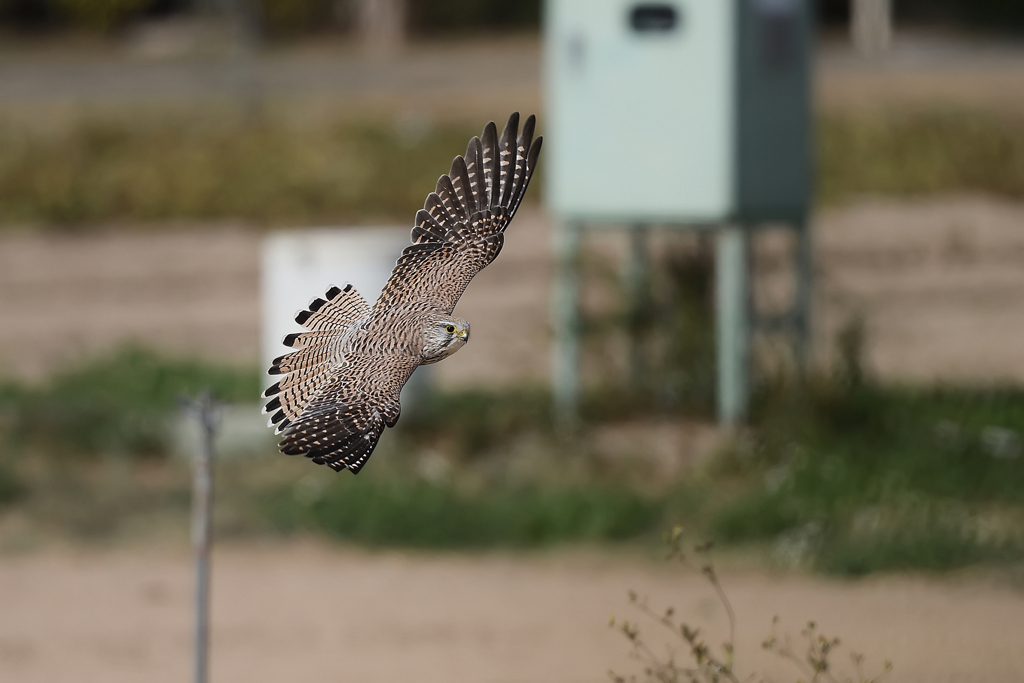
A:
[340,386]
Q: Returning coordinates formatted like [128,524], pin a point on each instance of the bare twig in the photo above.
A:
[814,666]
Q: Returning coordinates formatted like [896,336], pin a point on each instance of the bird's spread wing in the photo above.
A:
[460,228]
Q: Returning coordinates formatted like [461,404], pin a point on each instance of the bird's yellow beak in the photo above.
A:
[464,335]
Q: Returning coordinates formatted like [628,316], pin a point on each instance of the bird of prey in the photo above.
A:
[340,386]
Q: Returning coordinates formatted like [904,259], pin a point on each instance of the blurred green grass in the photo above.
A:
[269,170]
[89,455]
[115,403]
[908,152]
[222,165]
[870,478]
[415,513]
[837,474]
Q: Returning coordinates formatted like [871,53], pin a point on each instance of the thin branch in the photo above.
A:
[709,571]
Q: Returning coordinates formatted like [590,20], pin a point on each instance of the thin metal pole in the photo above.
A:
[804,293]
[565,315]
[202,513]
[382,26]
[871,26]
[732,323]
[635,276]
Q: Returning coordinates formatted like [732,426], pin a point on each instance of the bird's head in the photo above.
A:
[443,336]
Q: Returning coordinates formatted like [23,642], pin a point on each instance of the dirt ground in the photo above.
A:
[938,282]
[312,613]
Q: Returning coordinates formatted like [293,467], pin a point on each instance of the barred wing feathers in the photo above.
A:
[460,229]
[311,366]
[341,426]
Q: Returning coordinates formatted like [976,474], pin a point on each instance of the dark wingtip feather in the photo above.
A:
[531,164]
[289,339]
[528,126]
[526,135]
[474,143]
[507,150]
[459,176]
[275,388]
[332,292]
[302,316]
[273,404]
[512,126]
[478,182]
[521,165]
[491,166]
[316,304]
[531,157]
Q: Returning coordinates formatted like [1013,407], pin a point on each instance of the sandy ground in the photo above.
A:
[310,613]
[924,69]
[64,298]
[939,283]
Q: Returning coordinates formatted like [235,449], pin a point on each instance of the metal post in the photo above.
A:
[635,276]
[202,512]
[381,26]
[565,316]
[732,325]
[804,291]
[871,26]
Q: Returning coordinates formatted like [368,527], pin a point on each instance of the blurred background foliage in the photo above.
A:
[284,18]
[101,15]
[918,152]
[222,163]
[117,403]
[205,166]
[277,18]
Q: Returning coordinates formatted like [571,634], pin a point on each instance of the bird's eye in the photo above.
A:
[450,329]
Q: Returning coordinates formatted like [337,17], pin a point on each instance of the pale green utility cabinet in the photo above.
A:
[685,113]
